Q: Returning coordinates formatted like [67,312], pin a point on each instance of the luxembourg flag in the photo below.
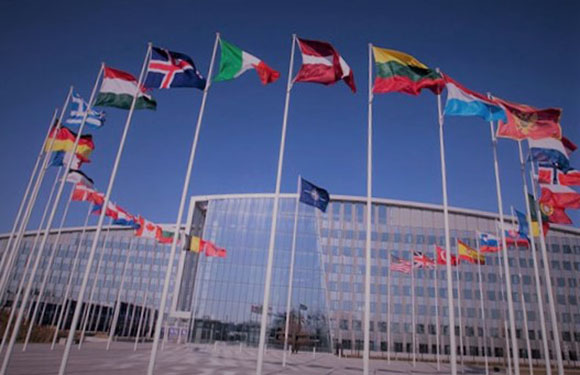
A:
[464,102]
[550,150]
[487,243]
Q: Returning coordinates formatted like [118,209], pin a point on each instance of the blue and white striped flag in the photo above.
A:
[95,119]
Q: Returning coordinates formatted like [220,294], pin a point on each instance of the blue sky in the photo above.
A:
[523,51]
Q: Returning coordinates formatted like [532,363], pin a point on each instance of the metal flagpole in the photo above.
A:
[413,318]
[548,279]
[461,348]
[65,305]
[91,302]
[26,196]
[438,353]
[266,301]
[505,325]
[389,308]
[184,192]
[94,245]
[452,344]
[144,305]
[119,294]
[367,310]
[483,319]
[291,273]
[508,282]
[139,326]
[539,293]
[18,294]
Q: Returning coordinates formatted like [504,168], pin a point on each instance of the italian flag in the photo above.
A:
[118,89]
[234,62]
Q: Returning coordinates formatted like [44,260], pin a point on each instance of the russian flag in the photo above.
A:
[550,150]
[464,102]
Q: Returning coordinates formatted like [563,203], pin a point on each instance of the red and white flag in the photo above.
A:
[560,196]
[147,229]
[83,193]
[321,63]
[442,257]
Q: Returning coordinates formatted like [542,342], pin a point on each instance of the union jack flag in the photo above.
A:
[421,260]
[168,69]
[400,265]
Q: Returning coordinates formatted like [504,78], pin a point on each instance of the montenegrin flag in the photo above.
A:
[524,121]
[118,89]
[234,62]
[399,72]
[64,140]
[464,102]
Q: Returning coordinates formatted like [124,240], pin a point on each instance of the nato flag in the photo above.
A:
[313,195]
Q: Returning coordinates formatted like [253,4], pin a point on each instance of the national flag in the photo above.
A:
[469,254]
[421,260]
[550,151]
[234,62]
[487,243]
[321,63]
[313,195]
[400,265]
[524,121]
[442,257]
[195,244]
[400,72]
[534,215]
[569,146]
[168,69]
[551,175]
[464,102]
[512,235]
[524,228]
[211,250]
[165,236]
[118,89]
[560,196]
[62,158]
[553,214]
[64,140]
[75,176]
[112,209]
[125,219]
[95,119]
[146,229]
[83,193]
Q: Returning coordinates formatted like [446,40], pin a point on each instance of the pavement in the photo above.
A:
[176,359]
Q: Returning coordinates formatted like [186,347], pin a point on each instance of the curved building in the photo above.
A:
[220,298]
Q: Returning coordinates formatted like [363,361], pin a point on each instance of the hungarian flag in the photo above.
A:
[64,140]
[234,62]
[321,63]
[524,121]
[442,257]
[146,228]
[118,89]
[469,254]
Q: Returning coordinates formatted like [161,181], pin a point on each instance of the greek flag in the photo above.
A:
[95,119]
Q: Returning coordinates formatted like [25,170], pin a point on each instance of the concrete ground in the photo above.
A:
[175,359]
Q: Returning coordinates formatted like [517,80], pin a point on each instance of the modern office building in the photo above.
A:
[224,295]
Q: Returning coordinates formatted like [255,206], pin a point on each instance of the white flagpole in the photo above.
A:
[26,196]
[505,324]
[268,279]
[107,198]
[539,293]
[184,193]
[461,348]
[547,277]
[508,282]
[367,310]
[452,343]
[18,294]
[481,299]
[291,273]
[65,304]
[91,302]
[413,318]
[389,258]
[119,294]
[438,353]
[139,326]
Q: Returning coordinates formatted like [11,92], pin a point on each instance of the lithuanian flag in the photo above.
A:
[469,254]
[397,71]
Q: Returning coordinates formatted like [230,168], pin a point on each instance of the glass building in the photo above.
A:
[221,298]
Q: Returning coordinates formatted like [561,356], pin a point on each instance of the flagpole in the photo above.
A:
[449,271]
[508,282]
[389,308]
[505,324]
[26,196]
[413,318]
[272,241]
[78,307]
[547,277]
[437,333]
[139,326]
[291,273]
[184,193]
[535,262]
[119,294]
[483,318]
[461,348]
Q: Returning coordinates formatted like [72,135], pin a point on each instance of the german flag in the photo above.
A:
[64,140]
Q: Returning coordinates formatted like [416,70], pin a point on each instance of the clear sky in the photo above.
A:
[523,51]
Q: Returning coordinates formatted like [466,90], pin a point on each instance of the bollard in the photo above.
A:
[314,352]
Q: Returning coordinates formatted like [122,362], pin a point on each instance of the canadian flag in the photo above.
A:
[321,63]
[147,229]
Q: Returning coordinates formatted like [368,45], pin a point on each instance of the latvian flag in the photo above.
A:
[321,63]
[118,89]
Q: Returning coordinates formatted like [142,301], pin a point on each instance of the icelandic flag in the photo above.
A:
[95,119]
[487,242]
[313,195]
[168,69]
[464,102]
[551,151]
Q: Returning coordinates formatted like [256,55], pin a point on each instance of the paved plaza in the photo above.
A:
[202,360]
